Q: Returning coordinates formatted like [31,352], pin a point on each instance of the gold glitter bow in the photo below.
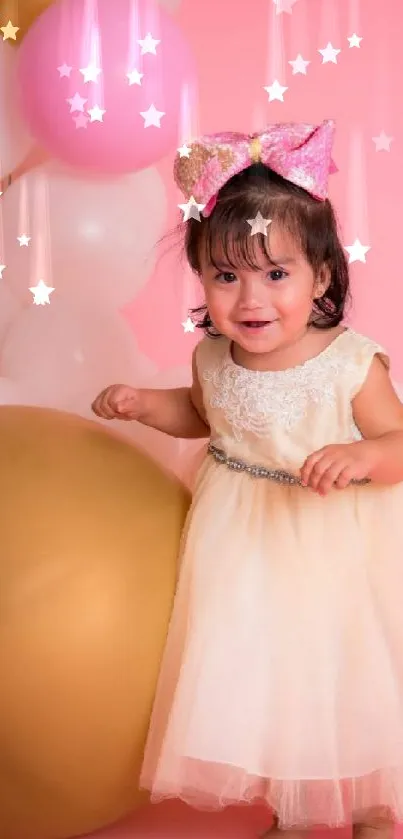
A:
[255,150]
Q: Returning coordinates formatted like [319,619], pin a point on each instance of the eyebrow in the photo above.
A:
[281,260]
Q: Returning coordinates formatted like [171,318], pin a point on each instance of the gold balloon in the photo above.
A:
[22,13]
[89,539]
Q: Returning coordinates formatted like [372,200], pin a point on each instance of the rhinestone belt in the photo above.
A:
[256,471]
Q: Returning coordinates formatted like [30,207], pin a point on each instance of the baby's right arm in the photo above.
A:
[178,412]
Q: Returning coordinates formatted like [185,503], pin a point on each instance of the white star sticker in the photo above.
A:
[299,65]
[192,209]
[188,325]
[90,73]
[134,77]
[329,54]
[275,91]
[259,224]
[148,44]
[41,293]
[184,151]
[96,114]
[24,240]
[152,117]
[2,268]
[64,71]
[357,251]
[354,40]
[76,103]
[382,142]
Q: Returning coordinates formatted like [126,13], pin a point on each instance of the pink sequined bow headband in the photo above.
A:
[298,152]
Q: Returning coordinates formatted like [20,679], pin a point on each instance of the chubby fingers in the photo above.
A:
[106,405]
[323,470]
[109,405]
[101,406]
[312,462]
[123,410]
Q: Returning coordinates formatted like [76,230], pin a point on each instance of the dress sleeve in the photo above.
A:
[362,355]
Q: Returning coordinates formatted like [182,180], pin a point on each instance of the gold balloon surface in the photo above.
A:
[89,540]
[22,13]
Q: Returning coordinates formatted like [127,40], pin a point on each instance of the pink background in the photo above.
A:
[235,48]
[239,46]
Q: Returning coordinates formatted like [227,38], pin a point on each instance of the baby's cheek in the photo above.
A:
[294,299]
[219,301]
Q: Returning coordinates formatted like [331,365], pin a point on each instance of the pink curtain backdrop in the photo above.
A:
[119,303]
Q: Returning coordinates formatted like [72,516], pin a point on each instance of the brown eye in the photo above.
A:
[226,277]
[277,274]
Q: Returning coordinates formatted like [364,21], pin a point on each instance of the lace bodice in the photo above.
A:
[279,417]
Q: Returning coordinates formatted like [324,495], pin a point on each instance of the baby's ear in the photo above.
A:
[322,281]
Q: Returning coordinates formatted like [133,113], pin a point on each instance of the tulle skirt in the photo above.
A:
[282,678]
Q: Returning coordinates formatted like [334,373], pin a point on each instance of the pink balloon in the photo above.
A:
[72,35]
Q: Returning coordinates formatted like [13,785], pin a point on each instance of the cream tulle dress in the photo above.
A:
[282,678]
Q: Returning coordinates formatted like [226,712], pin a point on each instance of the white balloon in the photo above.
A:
[92,239]
[15,140]
[137,367]
[60,351]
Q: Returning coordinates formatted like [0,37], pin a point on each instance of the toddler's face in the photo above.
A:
[266,309]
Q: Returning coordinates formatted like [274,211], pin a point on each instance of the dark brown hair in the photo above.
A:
[311,221]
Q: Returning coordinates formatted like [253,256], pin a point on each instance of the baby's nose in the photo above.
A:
[252,295]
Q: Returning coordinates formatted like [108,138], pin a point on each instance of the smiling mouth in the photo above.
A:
[255,324]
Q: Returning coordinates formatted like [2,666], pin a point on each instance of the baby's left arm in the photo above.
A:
[378,413]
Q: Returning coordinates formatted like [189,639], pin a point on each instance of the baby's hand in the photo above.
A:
[118,402]
[337,465]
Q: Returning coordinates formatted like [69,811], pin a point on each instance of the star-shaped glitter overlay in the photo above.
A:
[9,31]
[152,117]
[134,77]
[299,65]
[184,151]
[81,121]
[24,240]
[382,142]
[64,71]
[275,91]
[284,6]
[357,251]
[188,325]
[2,268]
[354,40]
[96,114]
[41,293]
[90,73]
[329,54]
[259,224]
[192,209]
[76,103]
[148,44]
